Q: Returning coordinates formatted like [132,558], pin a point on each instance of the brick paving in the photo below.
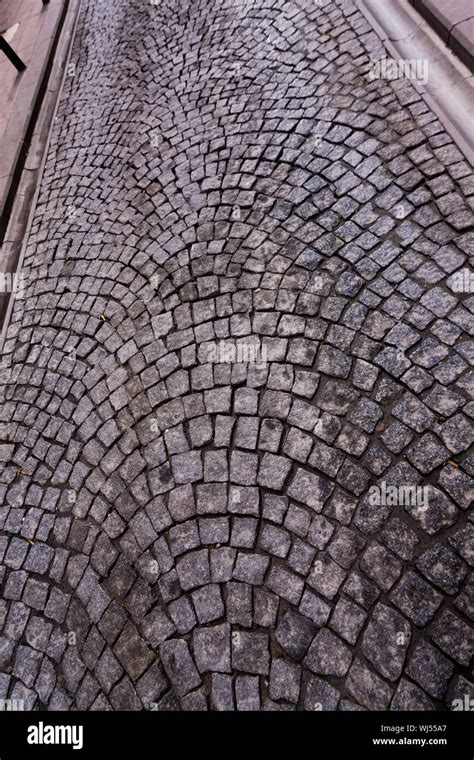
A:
[180,531]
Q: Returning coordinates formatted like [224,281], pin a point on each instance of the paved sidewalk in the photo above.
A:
[183,531]
[33,27]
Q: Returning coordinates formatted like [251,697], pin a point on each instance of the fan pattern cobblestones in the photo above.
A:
[184,533]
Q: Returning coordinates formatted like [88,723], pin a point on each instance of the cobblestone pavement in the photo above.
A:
[183,531]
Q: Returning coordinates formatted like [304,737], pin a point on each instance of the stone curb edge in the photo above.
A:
[446,29]
[449,91]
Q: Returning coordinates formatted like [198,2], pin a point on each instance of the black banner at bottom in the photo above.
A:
[127,734]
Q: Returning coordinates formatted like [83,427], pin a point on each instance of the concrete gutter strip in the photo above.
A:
[17,233]
[449,90]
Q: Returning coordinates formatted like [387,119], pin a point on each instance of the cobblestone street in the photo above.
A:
[237,388]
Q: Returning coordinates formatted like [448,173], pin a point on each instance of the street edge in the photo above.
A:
[449,90]
[29,184]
